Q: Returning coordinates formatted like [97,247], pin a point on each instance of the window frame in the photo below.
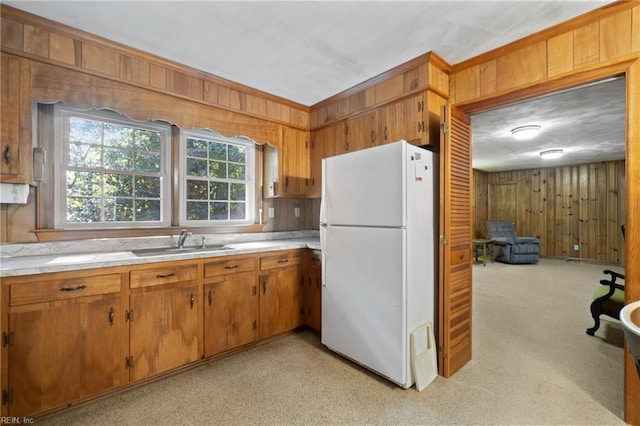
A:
[250,178]
[61,116]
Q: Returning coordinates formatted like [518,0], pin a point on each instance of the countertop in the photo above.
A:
[17,265]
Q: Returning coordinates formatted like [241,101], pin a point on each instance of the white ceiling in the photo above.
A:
[307,51]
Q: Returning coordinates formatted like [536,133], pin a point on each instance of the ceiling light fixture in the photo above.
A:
[551,153]
[526,132]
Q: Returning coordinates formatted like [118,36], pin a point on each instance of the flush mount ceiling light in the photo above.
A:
[551,153]
[525,132]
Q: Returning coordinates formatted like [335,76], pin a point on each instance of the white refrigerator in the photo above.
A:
[379,250]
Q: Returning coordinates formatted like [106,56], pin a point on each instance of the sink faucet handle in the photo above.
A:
[203,243]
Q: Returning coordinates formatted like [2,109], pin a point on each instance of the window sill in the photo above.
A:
[44,235]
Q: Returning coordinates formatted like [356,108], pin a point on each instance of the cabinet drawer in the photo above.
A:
[279,260]
[163,275]
[49,290]
[229,266]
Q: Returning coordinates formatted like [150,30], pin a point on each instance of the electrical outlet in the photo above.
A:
[296,211]
[576,247]
[272,212]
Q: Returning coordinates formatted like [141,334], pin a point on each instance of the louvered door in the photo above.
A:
[454,344]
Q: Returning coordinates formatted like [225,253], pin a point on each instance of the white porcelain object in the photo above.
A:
[630,318]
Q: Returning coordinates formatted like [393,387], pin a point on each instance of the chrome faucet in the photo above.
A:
[182,238]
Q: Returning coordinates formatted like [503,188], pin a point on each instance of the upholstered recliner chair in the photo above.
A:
[508,247]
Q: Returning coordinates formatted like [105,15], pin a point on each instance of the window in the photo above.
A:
[218,179]
[112,172]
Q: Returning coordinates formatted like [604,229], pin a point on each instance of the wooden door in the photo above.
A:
[454,329]
[502,201]
[231,311]
[164,328]
[280,301]
[64,354]
[403,120]
[15,120]
[362,131]
[324,143]
[295,161]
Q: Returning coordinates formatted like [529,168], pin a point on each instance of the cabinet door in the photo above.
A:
[403,120]
[295,160]
[326,142]
[164,329]
[362,131]
[15,120]
[313,296]
[280,301]
[65,353]
[231,311]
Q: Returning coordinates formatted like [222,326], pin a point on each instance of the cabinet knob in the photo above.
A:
[192,300]
[210,297]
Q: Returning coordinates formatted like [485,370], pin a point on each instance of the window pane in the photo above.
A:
[237,210]
[237,153]
[219,191]
[238,191]
[118,159]
[147,140]
[118,210]
[147,210]
[118,185]
[196,167]
[148,186]
[147,162]
[217,151]
[118,136]
[217,169]
[83,155]
[86,131]
[236,171]
[197,210]
[82,209]
[219,211]
[196,148]
[197,190]
[84,183]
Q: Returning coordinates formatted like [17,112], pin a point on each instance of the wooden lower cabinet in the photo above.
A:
[280,293]
[231,305]
[71,336]
[64,347]
[312,293]
[164,313]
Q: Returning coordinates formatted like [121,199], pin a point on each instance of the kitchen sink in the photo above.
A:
[176,250]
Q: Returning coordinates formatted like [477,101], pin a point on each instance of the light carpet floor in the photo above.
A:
[532,364]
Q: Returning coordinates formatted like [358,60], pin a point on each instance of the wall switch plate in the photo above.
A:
[576,247]
[272,212]
[296,211]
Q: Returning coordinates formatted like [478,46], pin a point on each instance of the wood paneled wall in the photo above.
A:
[426,72]
[580,44]
[43,40]
[580,205]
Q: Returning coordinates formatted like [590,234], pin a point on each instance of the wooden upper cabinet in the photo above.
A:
[403,119]
[295,171]
[362,131]
[325,142]
[15,120]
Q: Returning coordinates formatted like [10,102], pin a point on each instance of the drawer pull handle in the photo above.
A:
[73,288]
[191,300]
[166,275]
[231,267]
[283,260]
[210,297]
[112,314]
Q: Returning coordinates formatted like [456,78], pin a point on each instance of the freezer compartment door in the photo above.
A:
[363,299]
[365,188]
